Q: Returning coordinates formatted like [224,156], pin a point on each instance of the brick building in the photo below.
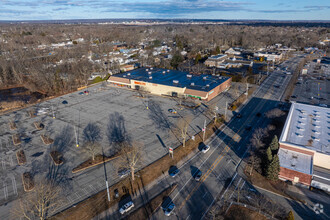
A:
[305,146]
[172,83]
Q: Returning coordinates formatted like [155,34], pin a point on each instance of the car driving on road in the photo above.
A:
[169,209]
[173,171]
[205,149]
[198,175]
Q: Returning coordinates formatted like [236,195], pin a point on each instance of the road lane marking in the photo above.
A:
[204,177]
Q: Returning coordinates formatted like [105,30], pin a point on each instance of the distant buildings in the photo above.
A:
[172,83]
[305,146]
[269,56]
[214,61]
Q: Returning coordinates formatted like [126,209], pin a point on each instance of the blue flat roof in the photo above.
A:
[166,77]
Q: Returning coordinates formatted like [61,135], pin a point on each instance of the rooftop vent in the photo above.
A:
[176,81]
[299,135]
[124,75]
[220,77]
[150,77]
[192,84]
[128,74]
[300,128]
[189,75]
[147,70]
[164,72]
[168,71]
[207,85]
[204,77]
[149,73]
[302,123]
[151,68]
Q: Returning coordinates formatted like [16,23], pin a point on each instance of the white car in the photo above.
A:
[205,149]
[125,208]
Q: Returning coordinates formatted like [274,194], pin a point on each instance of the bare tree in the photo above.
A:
[130,157]
[45,199]
[257,137]
[92,149]
[182,129]
[92,136]
[274,113]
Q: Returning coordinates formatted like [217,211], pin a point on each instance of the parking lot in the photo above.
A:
[312,88]
[116,112]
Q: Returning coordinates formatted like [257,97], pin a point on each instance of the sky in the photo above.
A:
[164,9]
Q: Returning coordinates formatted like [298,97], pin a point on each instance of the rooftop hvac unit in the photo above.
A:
[192,84]
[164,72]
[189,75]
[151,68]
[176,81]
[220,77]
[207,85]
[150,77]
[149,73]
[128,74]
[168,71]
[147,70]
[204,77]
[124,75]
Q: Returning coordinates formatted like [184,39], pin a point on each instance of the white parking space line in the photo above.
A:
[11,160]
[5,190]
[14,185]
[93,189]
[86,192]
[69,199]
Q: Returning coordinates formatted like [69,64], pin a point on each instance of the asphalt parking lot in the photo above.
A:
[115,111]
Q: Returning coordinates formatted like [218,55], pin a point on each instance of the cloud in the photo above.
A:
[172,7]
[317,7]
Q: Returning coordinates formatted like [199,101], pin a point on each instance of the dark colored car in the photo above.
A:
[248,127]
[65,102]
[293,96]
[239,115]
[198,175]
[173,171]
[258,114]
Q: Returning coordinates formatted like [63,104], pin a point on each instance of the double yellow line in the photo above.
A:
[209,171]
[219,158]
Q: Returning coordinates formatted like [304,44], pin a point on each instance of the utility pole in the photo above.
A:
[204,129]
[226,111]
[76,135]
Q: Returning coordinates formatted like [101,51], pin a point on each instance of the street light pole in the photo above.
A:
[204,129]
[226,111]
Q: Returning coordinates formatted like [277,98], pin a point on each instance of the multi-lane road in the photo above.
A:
[219,165]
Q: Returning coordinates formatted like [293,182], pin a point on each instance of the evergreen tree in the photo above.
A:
[274,144]
[269,155]
[273,168]
[290,216]
[198,58]
[217,49]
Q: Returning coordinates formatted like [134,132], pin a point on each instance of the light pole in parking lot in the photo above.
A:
[204,129]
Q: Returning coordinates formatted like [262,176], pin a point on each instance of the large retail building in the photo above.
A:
[172,83]
[305,146]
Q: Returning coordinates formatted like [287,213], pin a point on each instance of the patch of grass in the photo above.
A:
[16,139]
[99,159]
[236,212]
[57,157]
[21,159]
[47,140]
[28,182]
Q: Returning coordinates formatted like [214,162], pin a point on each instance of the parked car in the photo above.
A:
[198,175]
[173,111]
[258,114]
[239,115]
[248,127]
[123,173]
[169,209]
[125,208]
[173,171]
[205,148]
